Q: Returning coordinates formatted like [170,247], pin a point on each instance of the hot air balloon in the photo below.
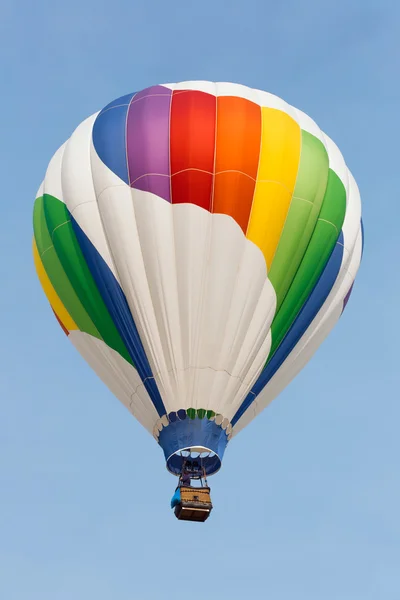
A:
[197,242]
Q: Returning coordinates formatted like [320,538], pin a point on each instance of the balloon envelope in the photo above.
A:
[197,242]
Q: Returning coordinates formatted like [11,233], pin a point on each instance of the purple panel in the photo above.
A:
[148,141]
[347,297]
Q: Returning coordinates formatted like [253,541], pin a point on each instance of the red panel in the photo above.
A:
[65,330]
[192,138]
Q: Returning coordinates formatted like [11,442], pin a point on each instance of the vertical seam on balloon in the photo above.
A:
[258,167]
[203,294]
[204,278]
[169,147]
[294,187]
[171,208]
[215,150]
[126,139]
[164,316]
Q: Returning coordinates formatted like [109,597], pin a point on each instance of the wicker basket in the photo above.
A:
[195,504]
[197,495]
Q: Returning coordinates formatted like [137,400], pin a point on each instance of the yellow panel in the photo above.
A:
[276,178]
[51,294]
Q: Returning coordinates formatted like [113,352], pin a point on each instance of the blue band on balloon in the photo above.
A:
[117,305]
[109,136]
[190,433]
[300,325]
[362,238]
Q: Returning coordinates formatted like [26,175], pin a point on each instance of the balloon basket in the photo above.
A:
[195,504]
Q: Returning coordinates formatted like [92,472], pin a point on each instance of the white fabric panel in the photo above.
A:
[77,181]
[200,86]
[236,89]
[268,100]
[309,125]
[40,190]
[118,375]
[52,181]
[198,293]
[352,219]
[336,162]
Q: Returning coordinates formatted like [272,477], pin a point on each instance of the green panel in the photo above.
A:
[201,413]
[210,414]
[40,230]
[322,242]
[71,257]
[304,209]
[191,413]
[56,273]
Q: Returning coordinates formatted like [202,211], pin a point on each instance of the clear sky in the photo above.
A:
[307,504]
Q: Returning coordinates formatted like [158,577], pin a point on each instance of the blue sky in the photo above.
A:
[307,502]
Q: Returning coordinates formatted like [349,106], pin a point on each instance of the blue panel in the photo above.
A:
[109,136]
[193,432]
[117,305]
[347,297]
[121,101]
[362,238]
[300,325]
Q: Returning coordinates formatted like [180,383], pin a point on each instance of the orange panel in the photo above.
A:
[237,154]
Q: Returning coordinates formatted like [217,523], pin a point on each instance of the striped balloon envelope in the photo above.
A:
[197,242]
